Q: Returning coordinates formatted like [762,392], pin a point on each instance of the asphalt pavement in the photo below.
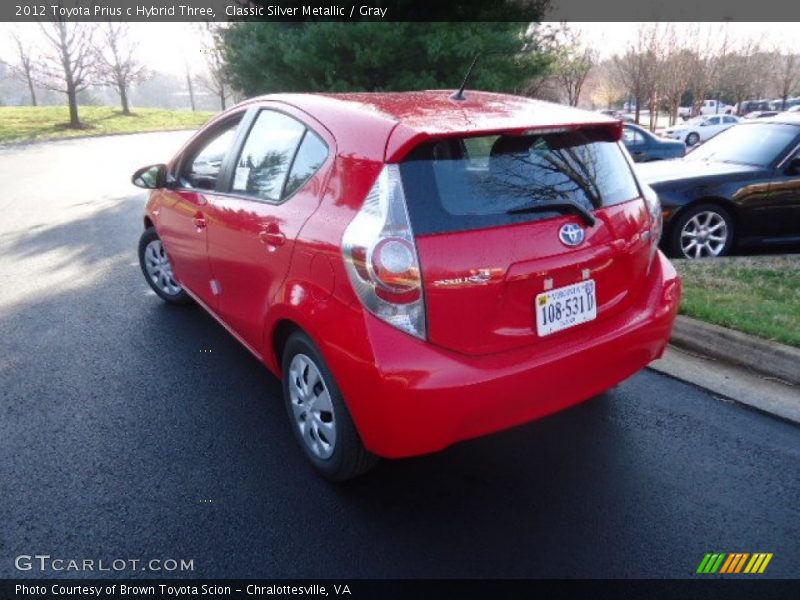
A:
[134,430]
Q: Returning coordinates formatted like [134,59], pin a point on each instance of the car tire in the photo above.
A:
[318,415]
[709,226]
[692,139]
[157,269]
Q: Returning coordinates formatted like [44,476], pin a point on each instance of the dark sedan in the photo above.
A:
[742,187]
[644,146]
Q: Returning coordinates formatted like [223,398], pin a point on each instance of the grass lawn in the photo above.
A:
[35,123]
[759,295]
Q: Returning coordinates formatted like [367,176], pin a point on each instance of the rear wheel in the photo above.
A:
[703,231]
[319,417]
[157,269]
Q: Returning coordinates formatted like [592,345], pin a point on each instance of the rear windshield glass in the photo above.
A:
[459,184]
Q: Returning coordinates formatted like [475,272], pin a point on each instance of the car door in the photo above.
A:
[181,219]
[712,126]
[272,187]
[783,218]
[636,144]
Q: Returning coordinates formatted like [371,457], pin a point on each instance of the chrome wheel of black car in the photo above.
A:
[704,231]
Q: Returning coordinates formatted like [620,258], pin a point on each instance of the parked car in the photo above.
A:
[700,129]
[741,188]
[615,114]
[761,114]
[715,107]
[644,146]
[685,112]
[779,105]
[794,109]
[748,106]
[416,269]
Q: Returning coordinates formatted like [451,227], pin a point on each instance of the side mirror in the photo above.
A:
[793,168]
[150,177]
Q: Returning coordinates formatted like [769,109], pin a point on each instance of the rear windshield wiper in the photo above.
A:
[564,207]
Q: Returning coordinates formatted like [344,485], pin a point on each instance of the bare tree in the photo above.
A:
[69,65]
[573,65]
[117,65]
[215,80]
[24,67]
[678,65]
[635,70]
[190,86]
[787,76]
[740,72]
[605,91]
[708,69]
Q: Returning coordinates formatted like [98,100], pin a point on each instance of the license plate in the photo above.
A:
[565,307]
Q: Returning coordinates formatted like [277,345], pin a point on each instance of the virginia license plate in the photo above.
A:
[565,307]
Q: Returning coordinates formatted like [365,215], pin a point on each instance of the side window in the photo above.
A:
[628,135]
[204,164]
[713,121]
[310,156]
[267,155]
[729,120]
[631,136]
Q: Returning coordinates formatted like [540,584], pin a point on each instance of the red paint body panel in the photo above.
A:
[409,397]
[482,368]
[499,315]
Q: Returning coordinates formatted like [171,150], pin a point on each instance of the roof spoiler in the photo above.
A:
[404,139]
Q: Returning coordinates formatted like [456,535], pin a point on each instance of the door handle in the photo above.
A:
[199,220]
[272,236]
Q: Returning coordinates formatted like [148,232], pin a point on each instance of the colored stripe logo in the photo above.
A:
[734,562]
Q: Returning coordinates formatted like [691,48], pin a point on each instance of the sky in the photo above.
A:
[167,46]
[613,38]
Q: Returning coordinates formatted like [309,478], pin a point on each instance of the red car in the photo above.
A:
[417,269]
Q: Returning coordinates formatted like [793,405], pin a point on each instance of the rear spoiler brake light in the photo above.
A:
[397,149]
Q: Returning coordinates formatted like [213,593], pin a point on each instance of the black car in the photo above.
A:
[644,146]
[742,187]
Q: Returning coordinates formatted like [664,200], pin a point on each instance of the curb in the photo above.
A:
[762,356]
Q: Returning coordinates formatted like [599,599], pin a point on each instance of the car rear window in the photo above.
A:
[459,184]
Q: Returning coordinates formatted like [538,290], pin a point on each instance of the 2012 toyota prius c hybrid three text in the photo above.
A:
[418,268]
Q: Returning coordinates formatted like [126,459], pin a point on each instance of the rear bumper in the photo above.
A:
[410,397]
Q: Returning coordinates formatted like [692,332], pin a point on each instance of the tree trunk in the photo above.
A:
[72,98]
[222,99]
[191,89]
[30,87]
[123,97]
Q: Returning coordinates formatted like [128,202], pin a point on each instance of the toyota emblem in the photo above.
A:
[571,234]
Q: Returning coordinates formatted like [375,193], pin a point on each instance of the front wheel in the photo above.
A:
[703,231]
[319,417]
[157,269]
[692,139]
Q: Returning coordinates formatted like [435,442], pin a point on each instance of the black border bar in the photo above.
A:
[357,589]
[399,10]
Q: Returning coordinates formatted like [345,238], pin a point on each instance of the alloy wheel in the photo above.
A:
[312,407]
[704,235]
[159,269]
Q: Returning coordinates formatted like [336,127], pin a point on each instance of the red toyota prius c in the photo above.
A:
[417,268]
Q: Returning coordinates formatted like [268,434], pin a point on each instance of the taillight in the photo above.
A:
[381,257]
[656,220]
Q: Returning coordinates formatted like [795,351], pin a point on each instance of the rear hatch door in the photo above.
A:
[505,222]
